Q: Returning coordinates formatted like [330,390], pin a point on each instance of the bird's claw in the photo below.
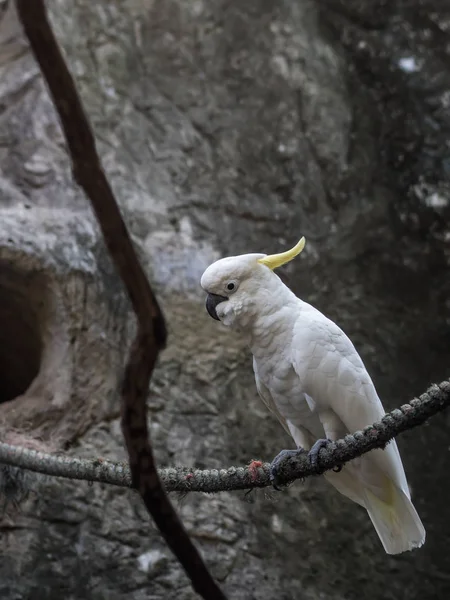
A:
[313,454]
[276,463]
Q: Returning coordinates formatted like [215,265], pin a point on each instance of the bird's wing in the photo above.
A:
[333,374]
[266,397]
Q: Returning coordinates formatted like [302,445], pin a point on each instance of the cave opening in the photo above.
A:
[21,345]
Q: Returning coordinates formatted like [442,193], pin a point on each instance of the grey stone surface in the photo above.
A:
[224,127]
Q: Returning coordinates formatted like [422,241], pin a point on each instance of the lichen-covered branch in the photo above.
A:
[151,330]
[184,479]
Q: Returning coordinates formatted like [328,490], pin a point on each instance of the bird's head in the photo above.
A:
[240,287]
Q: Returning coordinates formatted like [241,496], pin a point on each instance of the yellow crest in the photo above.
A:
[273,261]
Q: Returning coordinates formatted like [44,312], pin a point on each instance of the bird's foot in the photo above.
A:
[313,454]
[277,462]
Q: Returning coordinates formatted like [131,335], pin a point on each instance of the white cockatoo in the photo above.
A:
[309,374]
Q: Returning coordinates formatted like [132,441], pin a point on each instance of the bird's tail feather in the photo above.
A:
[395,519]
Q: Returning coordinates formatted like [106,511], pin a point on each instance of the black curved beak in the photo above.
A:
[212,300]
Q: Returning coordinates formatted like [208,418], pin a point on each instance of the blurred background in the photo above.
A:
[224,127]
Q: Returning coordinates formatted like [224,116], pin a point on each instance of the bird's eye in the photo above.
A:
[231,286]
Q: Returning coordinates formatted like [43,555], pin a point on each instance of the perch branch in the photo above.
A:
[151,331]
[184,479]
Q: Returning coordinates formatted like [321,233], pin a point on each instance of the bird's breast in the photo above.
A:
[285,388]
